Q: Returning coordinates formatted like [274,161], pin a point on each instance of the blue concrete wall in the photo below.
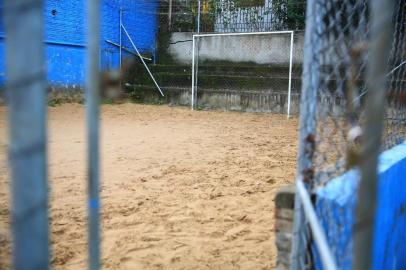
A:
[2,67]
[2,52]
[336,204]
[65,41]
[65,36]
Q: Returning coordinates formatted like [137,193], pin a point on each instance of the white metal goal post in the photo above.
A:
[195,59]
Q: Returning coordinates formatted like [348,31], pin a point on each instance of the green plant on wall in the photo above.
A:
[249,3]
[185,15]
[289,14]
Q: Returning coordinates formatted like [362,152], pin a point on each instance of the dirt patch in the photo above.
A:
[180,190]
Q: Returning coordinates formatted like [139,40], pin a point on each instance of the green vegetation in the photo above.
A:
[290,13]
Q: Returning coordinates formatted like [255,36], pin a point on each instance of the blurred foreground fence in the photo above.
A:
[26,99]
[27,121]
[352,108]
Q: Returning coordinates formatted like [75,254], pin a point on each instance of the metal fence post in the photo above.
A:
[193,72]
[92,110]
[170,15]
[308,104]
[27,121]
[290,72]
[381,26]
[198,15]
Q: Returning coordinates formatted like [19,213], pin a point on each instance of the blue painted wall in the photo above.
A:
[2,49]
[336,209]
[65,36]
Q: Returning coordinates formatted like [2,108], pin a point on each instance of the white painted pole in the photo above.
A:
[198,16]
[142,60]
[319,236]
[193,73]
[196,70]
[290,73]
[170,15]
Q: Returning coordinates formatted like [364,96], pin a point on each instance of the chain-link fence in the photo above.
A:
[340,54]
[231,15]
[395,118]
[246,72]
[170,59]
[333,114]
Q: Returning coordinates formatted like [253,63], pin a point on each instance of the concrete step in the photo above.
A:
[254,101]
[262,70]
[232,82]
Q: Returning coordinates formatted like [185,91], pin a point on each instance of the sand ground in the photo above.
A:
[180,189]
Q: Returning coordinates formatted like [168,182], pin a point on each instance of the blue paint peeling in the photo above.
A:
[65,36]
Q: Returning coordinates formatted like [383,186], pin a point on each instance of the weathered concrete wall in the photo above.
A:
[254,101]
[265,101]
[260,49]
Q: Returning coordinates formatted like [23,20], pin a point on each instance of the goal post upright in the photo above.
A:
[290,72]
[193,73]
[194,64]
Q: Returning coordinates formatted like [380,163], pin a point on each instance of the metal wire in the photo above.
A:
[251,71]
[268,83]
[338,49]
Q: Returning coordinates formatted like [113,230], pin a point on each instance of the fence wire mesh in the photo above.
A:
[342,36]
[246,72]
[338,50]
[226,16]
[395,118]
[340,53]
[170,57]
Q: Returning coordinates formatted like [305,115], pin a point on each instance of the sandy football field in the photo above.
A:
[180,189]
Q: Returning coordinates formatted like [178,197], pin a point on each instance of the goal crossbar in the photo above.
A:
[194,65]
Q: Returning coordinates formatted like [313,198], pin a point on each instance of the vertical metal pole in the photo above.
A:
[193,73]
[170,15]
[198,16]
[92,110]
[290,73]
[121,39]
[381,39]
[308,111]
[142,60]
[197,69]
[318,235]
[27,121]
